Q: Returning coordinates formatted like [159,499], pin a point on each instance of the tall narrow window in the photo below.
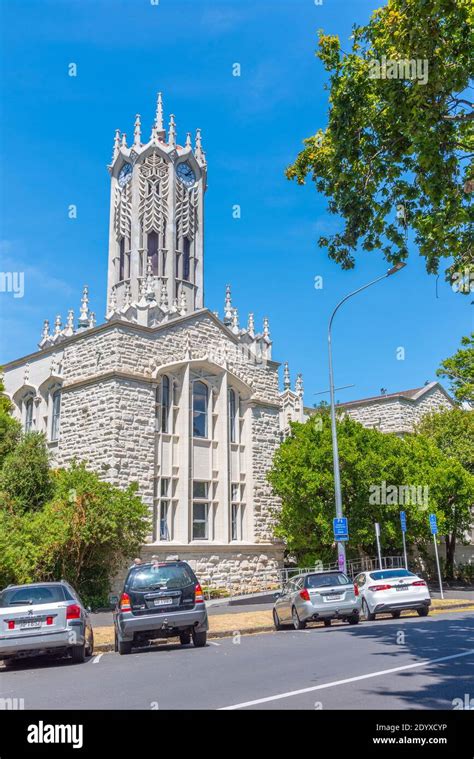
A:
[164,510]
[186,258]
[200,511]
[200,406]
[236,532]
[232,416]
[29,415]
[122,259]
[56,413]
[165,403]
[152,246]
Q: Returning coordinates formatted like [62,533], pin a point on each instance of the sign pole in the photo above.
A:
[403,523]
[434,532]
[405,550]
[377,535]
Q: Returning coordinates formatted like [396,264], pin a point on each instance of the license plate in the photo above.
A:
[402,587]
[163,601]
[30,624]
[333,598]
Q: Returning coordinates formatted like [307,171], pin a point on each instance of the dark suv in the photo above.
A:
[160,600]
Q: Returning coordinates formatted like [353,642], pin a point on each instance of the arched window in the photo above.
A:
[232,416]
[152,246]
[29,415]
[200,406]
[186,258]
[56,413]
[165,403]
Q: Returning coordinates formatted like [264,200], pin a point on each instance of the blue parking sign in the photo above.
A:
[433,524]
[403,521]
[340,528]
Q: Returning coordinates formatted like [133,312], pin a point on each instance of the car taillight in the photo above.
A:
[305,595]
[356,590]
[11,624]
[419,582]
[376,588]
[73,612]
[198,595]
[125,603]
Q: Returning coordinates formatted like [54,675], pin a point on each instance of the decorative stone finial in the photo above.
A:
[198,147]
[57,325]
[45,332]
[266,328]
[83,320]
[251,325]
[116,145]
[299,386]
[172,132]
[124,140]
[228,306]
[183,306]
[137,132]
[286,376]
[188,140]
[159,114]
[92,320]
[235,321]
[69,330]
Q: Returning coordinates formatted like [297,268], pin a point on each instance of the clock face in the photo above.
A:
[185,174]
[125,174]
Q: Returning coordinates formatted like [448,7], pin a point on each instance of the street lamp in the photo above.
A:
[341,549]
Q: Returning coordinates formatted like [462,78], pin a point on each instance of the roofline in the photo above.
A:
[128,325]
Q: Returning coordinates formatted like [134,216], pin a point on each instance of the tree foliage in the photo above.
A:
[398,142]
[302,477]
[25,477]
[459,369]
[10,428]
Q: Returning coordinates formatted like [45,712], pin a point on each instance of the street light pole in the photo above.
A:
[341,549]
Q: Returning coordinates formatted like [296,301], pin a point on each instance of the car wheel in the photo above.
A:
[327,622]
[185,638]
[396,614]
[367,613]
[423,612]
[276,621]
[90,647]
[78,653]
[297,623]
[353,619]
[199,638]
[115,642]
[124,647]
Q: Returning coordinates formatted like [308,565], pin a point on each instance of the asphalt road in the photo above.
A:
[410,663]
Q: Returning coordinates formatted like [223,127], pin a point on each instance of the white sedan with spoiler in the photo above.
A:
[392,591]
[44,618]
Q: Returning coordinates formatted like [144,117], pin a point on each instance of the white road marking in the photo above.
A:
[97,659]
[211,643]
[346,681]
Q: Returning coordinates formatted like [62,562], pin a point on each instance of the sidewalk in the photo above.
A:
[246,623]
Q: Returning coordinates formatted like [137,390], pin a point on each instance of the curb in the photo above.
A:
[105,647]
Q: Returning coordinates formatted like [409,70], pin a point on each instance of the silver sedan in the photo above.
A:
[317,596]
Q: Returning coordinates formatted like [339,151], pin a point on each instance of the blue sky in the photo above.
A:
[56,139]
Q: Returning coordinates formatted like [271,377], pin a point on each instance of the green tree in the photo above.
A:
[84,534]
[25,477]
[452,431]
[460,370]
[399,143]
[10,428]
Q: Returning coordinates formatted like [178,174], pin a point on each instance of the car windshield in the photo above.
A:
[327,580]
[169,577]
[389,574]
[36,594]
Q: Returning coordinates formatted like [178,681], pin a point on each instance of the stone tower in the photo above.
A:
[156,220]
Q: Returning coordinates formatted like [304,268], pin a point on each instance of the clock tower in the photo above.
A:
[156,223]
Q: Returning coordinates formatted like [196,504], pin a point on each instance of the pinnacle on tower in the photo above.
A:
[266,328]
[299,385]
[57,325]
[172,132]
[188,140]
[137,132]
[235,321]
[251,325]
[164,296]
[92,320]
[116,145]
[286,376]
[198,147]
[45,336]
[228,307]
[159,124]
[124,140]
[69,330]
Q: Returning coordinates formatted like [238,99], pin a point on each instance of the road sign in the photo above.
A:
[340,528]
[433,524]
[403,521]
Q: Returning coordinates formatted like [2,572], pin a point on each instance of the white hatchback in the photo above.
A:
[392,591]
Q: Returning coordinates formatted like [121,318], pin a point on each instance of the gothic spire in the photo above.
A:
[228,307]
[116,145]
[188,140]
[266,328]
[69,323]
[172,132]
[159,115]
[198,147]
[286,376]
[57,325]
[137,132]
[83,320]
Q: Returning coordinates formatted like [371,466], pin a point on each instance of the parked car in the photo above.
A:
[393,591]
[160,600]
[317,596]
[44,618]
